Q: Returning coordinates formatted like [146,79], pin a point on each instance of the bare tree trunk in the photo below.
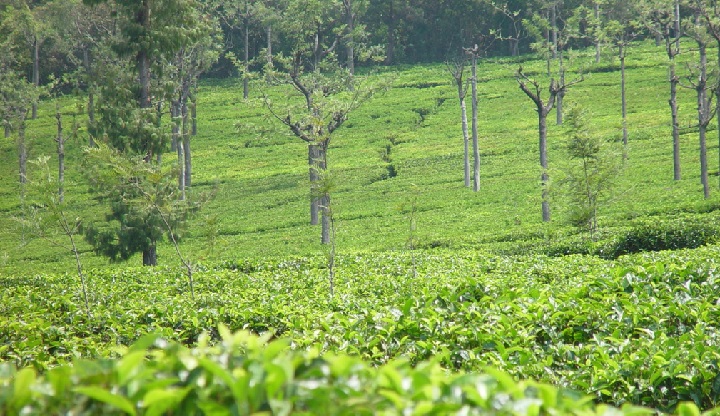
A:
[150,255]
[457,70]
[22,152]
[623,99]
[181,169]
[177,146]
[390,52]
[674,80]
[677,26]
[193,106]
[158,124]
[542,129]
[476,145]
[717,110]
[35,74]
[61,155]
[325,197]
[143,59]
[91,94]
[331,256]
[175,130]
[466,140]
[350,48]
[515,46]
[673,49]
[704,115]
[6,125]
[268,52]
[313,160]
[703,161]
[186,147]
[553,22]
[142,18]
[560,94]
[246,62]
[596,7]
[144,69]
[325,204]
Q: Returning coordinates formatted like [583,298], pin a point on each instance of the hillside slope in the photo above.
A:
[401,149]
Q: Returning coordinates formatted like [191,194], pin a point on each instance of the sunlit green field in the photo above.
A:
[478,280]
[258,171]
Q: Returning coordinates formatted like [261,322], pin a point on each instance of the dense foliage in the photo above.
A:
[638,330]
[482,282]
[244,375]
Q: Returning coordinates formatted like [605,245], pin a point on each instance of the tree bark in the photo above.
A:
[61,155]
[177,146]
[268,52]
[142,18]
[246,61]
[186,147]
[175,130]
[143,58]
[543,109]
[703,161]
[193,106]
[596,9]
[717,109]
[390,51]
[672,47]
[704,115]
[457,70]
[476,146]
[553,22]
[150,255]
[466,138]
[22,152]
[674,80]
[623,99]
[313,160]
[324,199]
[350,47]
[325,204]
[542,129]
[91,94]
[35,74]
[560,94]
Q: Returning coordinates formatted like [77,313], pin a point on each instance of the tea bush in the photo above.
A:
[246,375]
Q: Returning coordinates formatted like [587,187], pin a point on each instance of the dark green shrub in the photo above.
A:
[657,235]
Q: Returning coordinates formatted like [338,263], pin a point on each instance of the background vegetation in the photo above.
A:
[422,268]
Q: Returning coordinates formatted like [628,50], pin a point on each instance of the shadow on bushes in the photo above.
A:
[649,234]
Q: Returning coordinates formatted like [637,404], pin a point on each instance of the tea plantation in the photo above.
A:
[439,301]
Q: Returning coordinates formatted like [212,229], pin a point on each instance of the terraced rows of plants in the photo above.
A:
[641,329]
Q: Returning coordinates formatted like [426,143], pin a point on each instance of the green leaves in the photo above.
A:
[257,377]
[636,330]
[104,396]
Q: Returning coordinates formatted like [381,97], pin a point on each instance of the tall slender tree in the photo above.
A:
[664,19]
[620,28]
[533,90]
[457,67]
[709,11]
[474,53]
[702,85]
[327,90]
